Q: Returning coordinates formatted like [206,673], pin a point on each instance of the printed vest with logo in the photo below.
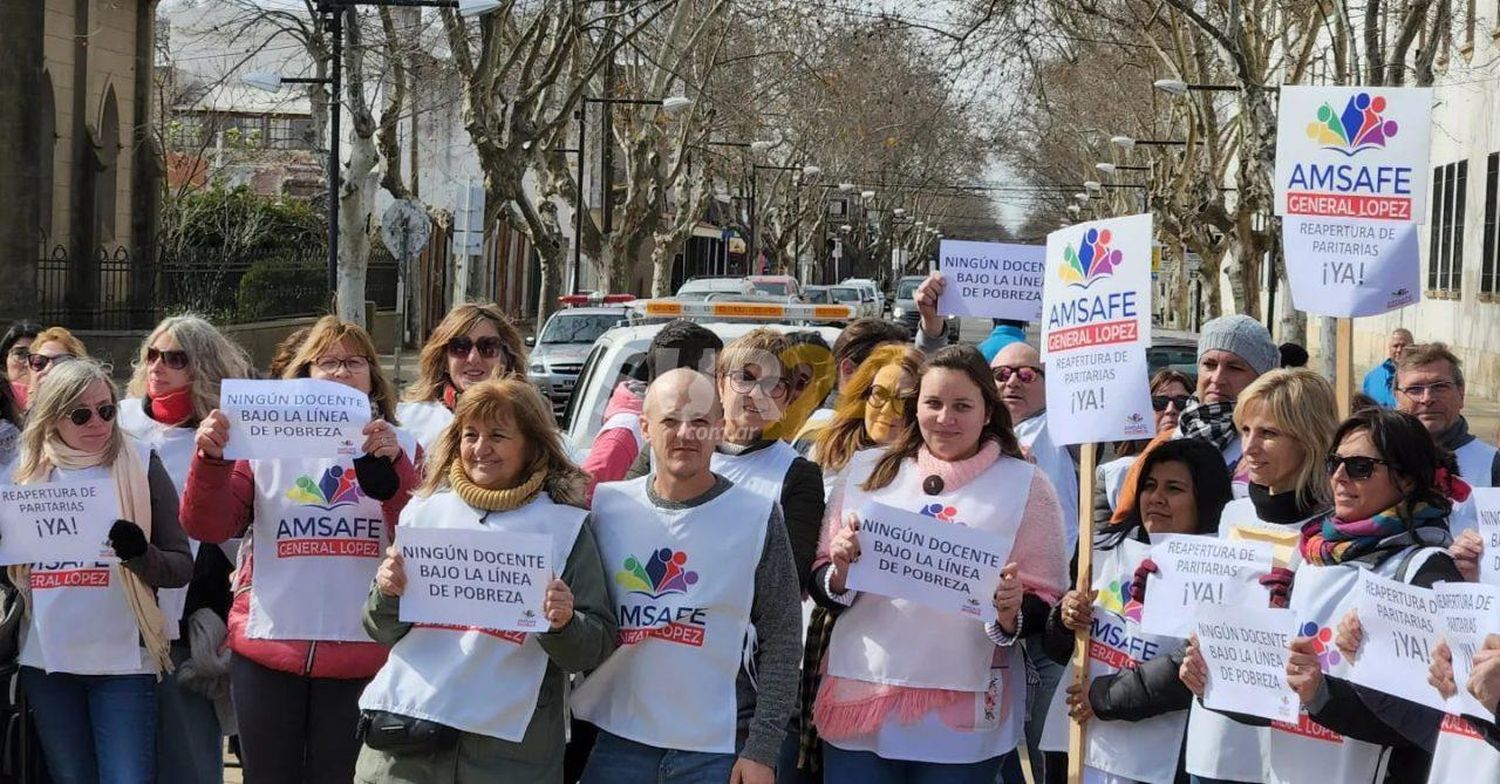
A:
[1143,751]
[175,446]
[1476,461]
[1321,597]
[477,680]
[1463,754]
[425,421]
[762,471]
[81,622]
[683,582]
[1219,747]
[316,533]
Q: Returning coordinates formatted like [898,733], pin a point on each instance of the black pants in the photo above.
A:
[295,730]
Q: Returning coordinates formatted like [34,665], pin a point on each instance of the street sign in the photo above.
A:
[405,229]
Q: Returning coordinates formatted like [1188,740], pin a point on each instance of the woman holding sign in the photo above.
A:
[910,690]
[176,385]
[496,696]
[473,343]
[95,641]
[315,531]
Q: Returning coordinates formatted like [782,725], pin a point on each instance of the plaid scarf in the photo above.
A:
[819,633]
[1328,540]
[1211,422]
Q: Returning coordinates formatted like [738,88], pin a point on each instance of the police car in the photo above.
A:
[620,353]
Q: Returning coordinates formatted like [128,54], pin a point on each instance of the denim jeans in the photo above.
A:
[1038,700]
[189,747]
[619,761]
[95,729]
[864,767]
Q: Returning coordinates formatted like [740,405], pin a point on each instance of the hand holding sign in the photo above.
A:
[1440,672]
[213,435]
[843,551]
[557,605]
[1484,681]
[391,577]
[1304,673]
[927,297]
[1008,598]
[1467,550]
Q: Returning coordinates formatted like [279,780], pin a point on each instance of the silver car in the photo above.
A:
[558,354]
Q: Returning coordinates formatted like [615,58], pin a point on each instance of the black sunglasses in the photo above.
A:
[1357,467]
[489,347]
[1160,402]
[39,362]
[176,360]
[81,416]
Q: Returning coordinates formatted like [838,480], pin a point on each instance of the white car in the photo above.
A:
[876,294]
[621,354]
[698,288]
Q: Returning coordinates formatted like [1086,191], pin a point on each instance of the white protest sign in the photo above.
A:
[1096,326]
[991,279]
[1192,571]
[57,521]
[1345,268]
[1353,152]
[1400,629]
[1246,652]
[1469,612]
[1486,501]
[944,566]
[298,418]
[487,579]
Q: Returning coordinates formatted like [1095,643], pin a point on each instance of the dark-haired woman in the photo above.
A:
[1170,392]
[1392,492]
[473,343]
[16,348]
[1182,488]
[911,693]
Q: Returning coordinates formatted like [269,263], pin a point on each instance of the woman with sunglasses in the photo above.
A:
[176,385]
[1170,392]
[95,640]
[471,344]
[921,695]
[16,347]
[300,657]
[50,348]
[1392,492]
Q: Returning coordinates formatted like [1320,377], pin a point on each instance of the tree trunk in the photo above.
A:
[356,199]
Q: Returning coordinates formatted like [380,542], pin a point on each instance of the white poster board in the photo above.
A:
[296,418]
[1400,625]
[57,521]
[1193,571]
[485,579]
[1469,613]
[1246,652]
[1486,501]
[991,279]
[1349,268]
[948,567]
[1096,326]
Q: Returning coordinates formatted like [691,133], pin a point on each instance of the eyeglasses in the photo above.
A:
[1357,467]
[81,416]
[745,383]
[331,365]
[489,347]
[1418,391]
[39,362]
[1160,402]
[880,396]
[176,360]
[1027,373]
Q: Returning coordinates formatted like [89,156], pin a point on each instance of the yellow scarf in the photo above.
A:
[494,500]
[134,491]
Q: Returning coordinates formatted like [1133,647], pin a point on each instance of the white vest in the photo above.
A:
[1146,750]
[762,471]
[80,621]
[425,421]
[1462,754]
[1475,459]
[683,582]
[1057,464]
[477,680]
[10,449]
[316,535]
[176,447]
[880,639]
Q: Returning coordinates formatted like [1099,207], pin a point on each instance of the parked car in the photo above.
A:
[860,299]
[1175,350]
[904,304]
[557,354]
[822,295]
[777,286]
[871,286]
[698,288]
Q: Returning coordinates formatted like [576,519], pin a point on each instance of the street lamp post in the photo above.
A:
[1126,142]
[1179,87]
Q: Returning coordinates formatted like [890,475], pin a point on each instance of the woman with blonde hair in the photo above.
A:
[1285,421]
[473,343]
[94,639]
[315,530]
[50,348]
[176,384]
[499,468]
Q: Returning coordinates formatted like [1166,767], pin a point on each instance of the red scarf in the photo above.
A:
[172,408]
[450,396]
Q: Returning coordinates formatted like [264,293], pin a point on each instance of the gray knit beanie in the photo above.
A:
[1242,336]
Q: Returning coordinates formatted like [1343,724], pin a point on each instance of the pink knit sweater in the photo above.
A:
[845,708]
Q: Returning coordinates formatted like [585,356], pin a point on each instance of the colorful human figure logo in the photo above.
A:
[1322,637]
[1116,598]
[338,487]
[661,574]
[1359,127]
[941,512]
[1093,259]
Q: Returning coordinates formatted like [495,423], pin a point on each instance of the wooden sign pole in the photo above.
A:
[1343,366]
[1085,580]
